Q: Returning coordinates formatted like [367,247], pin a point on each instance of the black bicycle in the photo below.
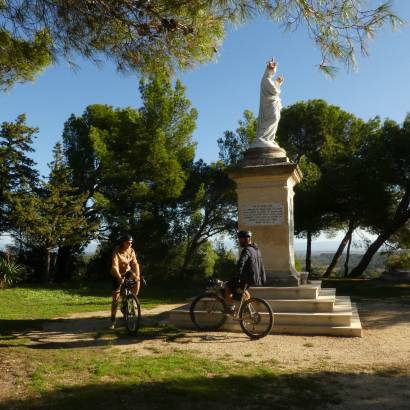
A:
[209,311]
[130,306]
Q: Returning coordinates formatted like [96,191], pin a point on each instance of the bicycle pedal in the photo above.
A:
[231,309]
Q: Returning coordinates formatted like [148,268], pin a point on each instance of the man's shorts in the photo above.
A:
[115,285]
[236,287]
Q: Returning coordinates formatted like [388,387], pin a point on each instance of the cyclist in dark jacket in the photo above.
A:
[251,270]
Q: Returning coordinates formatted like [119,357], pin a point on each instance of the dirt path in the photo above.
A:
[386,340]
[372,373]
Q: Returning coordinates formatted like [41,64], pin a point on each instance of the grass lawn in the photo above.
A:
[107,378]
[370,289]
[110,379]
[39,302]
[102,376]
[28,306]
[30,302]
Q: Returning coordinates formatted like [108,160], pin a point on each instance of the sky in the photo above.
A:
[221,91]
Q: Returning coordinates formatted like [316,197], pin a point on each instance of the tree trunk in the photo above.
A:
[188,258]
[401,217]
[46,274]
[339,251]
[63,267]
[20,245]
[368,255]
[346,266]
[308,260]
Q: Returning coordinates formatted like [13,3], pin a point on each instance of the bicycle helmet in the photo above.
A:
[244,234]
[125,238]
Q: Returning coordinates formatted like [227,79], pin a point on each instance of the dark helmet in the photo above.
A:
[125,238]
[244,234]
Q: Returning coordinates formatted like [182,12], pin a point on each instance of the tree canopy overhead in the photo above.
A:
[165,35]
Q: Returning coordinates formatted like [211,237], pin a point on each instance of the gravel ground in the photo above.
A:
[371,373]
[385,341]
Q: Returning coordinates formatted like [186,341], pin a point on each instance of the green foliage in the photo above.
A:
[10,272]
[355,174]
[207,208]
[135,165]
[204,261]
[54,215]
[338,27]
[319,131]
[388,160]
[213,260]
[340,189]
[225,263]
[133,156]
[233,145]
[402,236]
[298,265]
[16,167]
[150,37]
[310,201]
[168,35]
[398,261]
[22,60]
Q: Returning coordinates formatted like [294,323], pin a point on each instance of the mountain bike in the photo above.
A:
[130,305]
[209,311]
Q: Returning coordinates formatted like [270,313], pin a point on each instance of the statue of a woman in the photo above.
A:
[269,108]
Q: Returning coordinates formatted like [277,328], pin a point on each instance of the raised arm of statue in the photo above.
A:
[279,81]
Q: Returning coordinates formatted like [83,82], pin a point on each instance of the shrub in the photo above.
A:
[298,265]
[10,272]
[398,261]
[225,263]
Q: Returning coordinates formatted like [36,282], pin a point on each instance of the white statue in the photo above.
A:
[269,108]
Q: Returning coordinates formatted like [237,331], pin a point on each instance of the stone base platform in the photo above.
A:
[306,309]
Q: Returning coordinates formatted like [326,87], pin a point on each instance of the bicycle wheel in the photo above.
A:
[256,318]
[208,311]
[132,314]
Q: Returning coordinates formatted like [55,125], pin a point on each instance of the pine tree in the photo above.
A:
[169,35]
[54,216]
[135,163]
[17,169]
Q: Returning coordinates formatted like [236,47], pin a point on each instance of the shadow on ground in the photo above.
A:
[380,315]
[81,333]
[325,390]
[91,332]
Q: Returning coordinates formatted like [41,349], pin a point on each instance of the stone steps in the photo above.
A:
[340,316]
[321,304]
[327,292]
[306,309]
[354,329]
[301,292]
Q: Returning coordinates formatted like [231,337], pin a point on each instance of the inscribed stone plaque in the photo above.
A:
[262,214]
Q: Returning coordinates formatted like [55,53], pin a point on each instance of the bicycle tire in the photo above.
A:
[197,315]
[132,303]
[245,314]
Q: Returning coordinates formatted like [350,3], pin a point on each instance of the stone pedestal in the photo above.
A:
[265,181]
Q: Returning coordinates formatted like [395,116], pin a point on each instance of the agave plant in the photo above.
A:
[10,272]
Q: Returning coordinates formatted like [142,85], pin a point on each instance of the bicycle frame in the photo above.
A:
[209,311]
[125,289]
[235,313]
